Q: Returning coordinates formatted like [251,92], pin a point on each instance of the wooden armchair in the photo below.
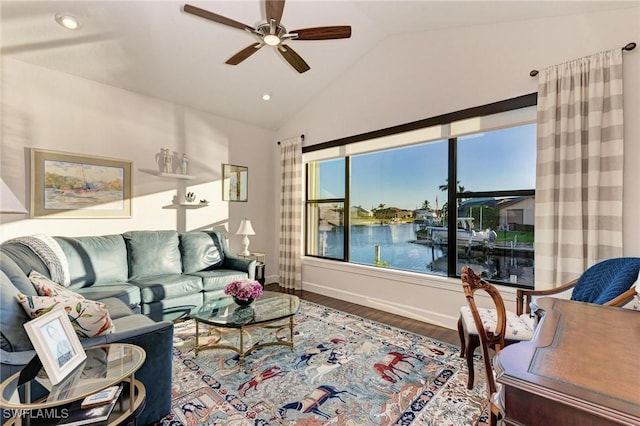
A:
[517,328]
[609,282]
[489,339]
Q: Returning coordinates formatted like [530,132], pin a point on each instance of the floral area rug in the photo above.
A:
[344,370]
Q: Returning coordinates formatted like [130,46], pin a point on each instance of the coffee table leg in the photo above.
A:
[241,346]
[197,341]
[291,332]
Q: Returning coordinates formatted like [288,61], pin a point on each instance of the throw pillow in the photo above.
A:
[88,317]
[46,287]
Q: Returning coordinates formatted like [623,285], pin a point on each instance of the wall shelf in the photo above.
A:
[168,175]
[186,206]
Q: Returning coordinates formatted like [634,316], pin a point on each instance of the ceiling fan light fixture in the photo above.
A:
[271,39]
[68,21]
[266,97]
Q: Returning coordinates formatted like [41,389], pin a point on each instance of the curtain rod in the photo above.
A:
[301,136]
[629,47]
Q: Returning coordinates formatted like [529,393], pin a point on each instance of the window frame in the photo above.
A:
[513,104]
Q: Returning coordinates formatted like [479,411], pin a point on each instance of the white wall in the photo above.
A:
[416,76]
[50,110]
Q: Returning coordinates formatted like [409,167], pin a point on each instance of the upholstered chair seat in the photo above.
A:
[519,328]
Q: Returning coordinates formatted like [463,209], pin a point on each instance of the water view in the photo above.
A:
[395,246]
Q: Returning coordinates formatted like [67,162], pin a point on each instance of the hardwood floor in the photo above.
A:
[419,327]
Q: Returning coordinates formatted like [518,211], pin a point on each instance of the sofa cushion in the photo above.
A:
[95,260]
[200,250]
[46,287]
[171,309]
[167,287]
[117,309]
[13,338]
[217,279]
[127,293]
[89,318]
[152,253]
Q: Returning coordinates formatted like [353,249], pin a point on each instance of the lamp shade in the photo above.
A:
[9,203]
[245,228]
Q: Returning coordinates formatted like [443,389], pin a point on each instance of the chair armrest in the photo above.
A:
[623,299]
[523,296]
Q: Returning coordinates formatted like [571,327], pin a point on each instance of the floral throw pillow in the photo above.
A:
[88,317]
[45,287]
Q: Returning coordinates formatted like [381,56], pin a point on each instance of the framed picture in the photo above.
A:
[56,344]
[79,186]
[234,182]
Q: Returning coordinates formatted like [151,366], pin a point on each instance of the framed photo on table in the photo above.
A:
[56,344]
[234,182]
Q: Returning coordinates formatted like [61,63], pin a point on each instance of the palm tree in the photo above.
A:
[426,205]
[445,187]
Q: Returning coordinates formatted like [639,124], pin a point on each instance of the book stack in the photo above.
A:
[94,408]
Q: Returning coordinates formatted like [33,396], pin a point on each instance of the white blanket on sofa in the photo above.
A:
[51,254]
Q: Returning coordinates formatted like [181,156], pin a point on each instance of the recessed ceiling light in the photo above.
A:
[266,97]
[70,22]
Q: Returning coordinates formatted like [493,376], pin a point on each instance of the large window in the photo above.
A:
[387,201]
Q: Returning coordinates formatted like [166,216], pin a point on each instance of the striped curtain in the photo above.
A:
[290,258]
[579,167]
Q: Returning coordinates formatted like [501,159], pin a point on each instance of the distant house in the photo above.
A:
[517,213]
[514,213]
[359,211]
[393,213]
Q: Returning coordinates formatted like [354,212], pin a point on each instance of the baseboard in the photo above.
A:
[412,312]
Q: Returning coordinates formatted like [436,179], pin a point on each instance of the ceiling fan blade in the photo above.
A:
[293,58]
[274,10]
[323,33]
[215,17]
[243,54]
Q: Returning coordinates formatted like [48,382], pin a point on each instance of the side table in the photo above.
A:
[260,265]
[37,402]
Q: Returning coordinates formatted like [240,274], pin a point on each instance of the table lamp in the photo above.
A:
[9,203]
[245,229]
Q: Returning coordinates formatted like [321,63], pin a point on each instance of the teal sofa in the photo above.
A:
[146,279]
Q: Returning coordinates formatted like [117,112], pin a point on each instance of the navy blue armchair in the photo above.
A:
[609,282]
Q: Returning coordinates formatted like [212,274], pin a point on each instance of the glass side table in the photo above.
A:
[38,402]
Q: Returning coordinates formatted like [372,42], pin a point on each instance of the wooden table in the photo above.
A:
[581,368]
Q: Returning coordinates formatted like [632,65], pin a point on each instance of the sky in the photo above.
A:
[405,177]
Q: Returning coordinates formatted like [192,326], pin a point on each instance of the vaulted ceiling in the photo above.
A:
[156,49]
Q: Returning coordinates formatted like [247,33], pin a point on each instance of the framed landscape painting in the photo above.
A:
[234,182]
[79,186]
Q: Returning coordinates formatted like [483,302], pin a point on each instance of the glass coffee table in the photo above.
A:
[272,310]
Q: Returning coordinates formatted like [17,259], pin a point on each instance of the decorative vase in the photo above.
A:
[243,302]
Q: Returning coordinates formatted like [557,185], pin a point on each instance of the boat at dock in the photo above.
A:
[465,234]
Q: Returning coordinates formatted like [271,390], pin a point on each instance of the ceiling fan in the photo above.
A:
[273,33]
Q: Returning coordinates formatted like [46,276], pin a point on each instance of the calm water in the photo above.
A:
[398,250]
[98,200]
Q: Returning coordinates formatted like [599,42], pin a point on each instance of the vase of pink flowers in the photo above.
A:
[244,292]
